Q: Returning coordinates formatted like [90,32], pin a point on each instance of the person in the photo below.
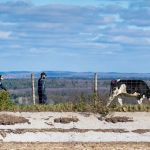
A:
[1,83]
[42,89]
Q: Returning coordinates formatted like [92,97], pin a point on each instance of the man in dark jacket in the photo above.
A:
[1,84]
[42,89]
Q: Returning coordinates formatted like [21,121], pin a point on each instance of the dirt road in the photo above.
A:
[75,146]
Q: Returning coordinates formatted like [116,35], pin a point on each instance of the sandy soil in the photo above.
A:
[75,146]
[74,127]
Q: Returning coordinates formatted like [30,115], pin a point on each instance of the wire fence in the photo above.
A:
[59,90]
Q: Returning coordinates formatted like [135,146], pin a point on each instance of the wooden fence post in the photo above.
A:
[95,89]
[33,88]
[95,83]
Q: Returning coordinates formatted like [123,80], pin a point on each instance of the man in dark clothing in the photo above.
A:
[1,84]
[42,89]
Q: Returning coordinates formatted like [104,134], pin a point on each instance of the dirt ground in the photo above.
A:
[75,146]
[11,119]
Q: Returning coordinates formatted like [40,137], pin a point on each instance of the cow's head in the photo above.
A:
[113,86]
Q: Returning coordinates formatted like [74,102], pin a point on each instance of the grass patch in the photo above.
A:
[94,105]
[5,102]
[70,107]
[132,108]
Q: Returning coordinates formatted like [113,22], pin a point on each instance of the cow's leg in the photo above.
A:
[113,96]
[120,101]
[141,100]
[110,100]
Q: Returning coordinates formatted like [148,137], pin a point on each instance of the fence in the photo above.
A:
[59,90]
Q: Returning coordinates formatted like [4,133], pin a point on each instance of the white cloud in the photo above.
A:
[131,40]
[15,46]
[40,51]
[55,31]
[5,35]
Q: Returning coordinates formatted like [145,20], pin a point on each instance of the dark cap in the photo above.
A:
[43,73]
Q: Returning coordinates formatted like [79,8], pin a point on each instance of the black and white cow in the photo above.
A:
[130,88]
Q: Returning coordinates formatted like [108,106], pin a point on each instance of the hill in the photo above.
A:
[78,75]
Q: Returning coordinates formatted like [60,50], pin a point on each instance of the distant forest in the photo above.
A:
[54,83]
[58,89]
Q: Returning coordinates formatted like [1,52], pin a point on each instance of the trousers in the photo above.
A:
[42,98]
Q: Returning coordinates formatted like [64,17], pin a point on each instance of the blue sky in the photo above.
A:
[79,35]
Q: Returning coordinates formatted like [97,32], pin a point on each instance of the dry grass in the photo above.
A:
[11,120]
[118,119]
[66,120]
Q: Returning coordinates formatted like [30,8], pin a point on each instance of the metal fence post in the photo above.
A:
[33,88]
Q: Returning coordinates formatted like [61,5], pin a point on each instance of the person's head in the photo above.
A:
[43,75]
[1,77]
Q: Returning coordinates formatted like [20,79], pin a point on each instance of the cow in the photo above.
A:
[129,88]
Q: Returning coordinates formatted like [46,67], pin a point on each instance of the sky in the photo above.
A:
[75,35]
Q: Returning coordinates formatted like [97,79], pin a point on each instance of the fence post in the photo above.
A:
[95,89]
[95,83]
[33,88]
